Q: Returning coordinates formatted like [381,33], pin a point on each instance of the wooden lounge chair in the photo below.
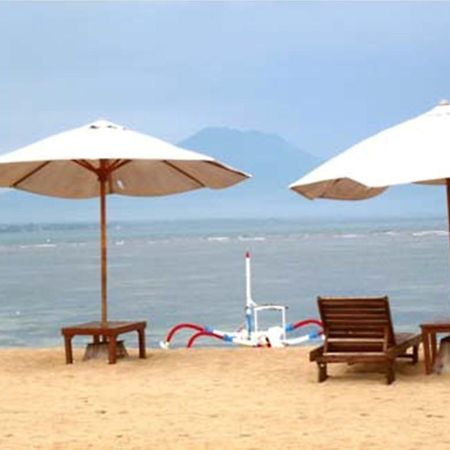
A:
[359,330]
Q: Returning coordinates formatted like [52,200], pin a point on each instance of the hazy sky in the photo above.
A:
[321,74]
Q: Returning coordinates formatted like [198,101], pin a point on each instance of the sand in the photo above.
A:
[215,399]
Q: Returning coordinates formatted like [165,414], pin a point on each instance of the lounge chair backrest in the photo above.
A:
[356,324]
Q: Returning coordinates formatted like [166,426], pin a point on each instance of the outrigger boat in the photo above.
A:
[250,334]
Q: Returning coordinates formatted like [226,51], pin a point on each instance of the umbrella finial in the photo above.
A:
[102,124]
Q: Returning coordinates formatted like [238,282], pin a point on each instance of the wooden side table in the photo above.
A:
[108,333]
[429,332]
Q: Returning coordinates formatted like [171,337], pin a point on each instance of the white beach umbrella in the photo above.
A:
[103,158]
[415,151]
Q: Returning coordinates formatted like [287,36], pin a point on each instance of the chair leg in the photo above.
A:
[390,372]
[415,357]
[322,371]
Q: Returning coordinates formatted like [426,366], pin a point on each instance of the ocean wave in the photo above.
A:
[248,238]
[430,233]
[347,236]
[24,246]
[218,239]
[390,233]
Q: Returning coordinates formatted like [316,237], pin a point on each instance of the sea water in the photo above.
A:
[187,271]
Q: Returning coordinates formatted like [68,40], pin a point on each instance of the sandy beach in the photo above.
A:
[215,398]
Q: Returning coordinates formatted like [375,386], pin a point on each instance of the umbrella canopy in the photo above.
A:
[415,151]
[102,158]
[133,163]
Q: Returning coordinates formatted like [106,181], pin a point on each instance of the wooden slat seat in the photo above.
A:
[360,330]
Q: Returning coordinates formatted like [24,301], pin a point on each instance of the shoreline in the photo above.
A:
[215,398]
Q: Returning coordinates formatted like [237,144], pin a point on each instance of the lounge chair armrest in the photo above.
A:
[399,349]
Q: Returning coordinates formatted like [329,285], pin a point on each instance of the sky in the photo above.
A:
[322,75]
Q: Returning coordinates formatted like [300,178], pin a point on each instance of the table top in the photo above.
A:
[110,326]
[437,323]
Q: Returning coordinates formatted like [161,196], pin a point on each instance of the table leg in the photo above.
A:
[68,349]
[433,349]
[426,351]
[112,349]
[141,337]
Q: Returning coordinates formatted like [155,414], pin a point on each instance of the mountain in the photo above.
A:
[272,161]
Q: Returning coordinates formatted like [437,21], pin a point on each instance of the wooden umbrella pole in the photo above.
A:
[102,179]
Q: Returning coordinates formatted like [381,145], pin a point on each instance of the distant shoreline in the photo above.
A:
[82,224]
